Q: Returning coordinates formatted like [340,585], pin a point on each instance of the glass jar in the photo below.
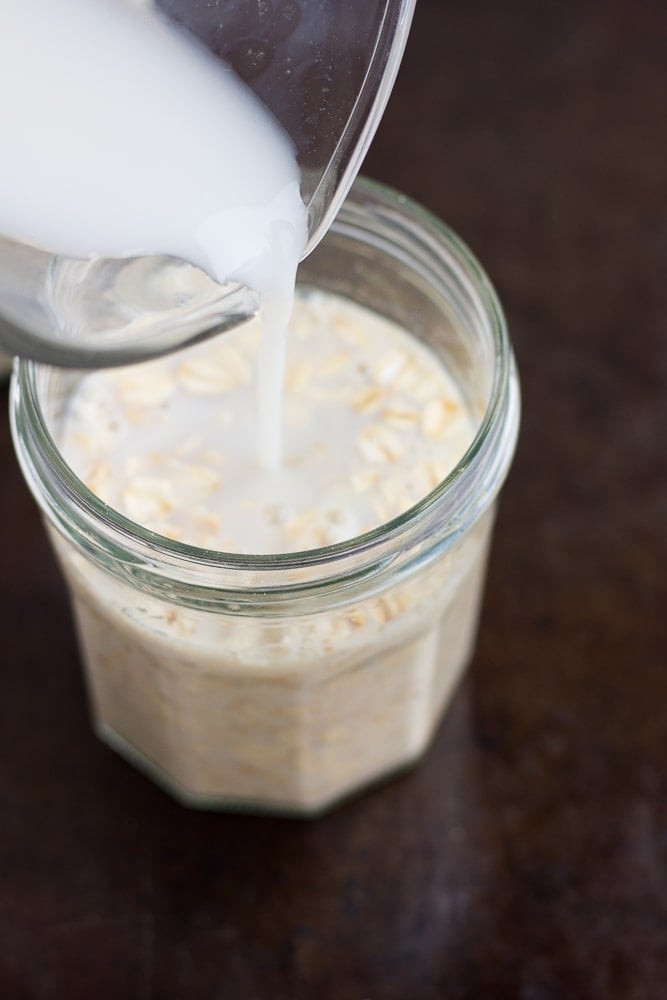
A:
[287,682]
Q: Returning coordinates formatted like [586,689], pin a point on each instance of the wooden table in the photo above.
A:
[527,856]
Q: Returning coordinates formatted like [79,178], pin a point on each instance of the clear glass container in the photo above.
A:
[287,682]
[325,71]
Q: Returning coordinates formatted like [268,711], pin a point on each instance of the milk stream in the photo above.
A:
[124,136]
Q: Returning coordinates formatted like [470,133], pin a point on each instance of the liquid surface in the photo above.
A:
[373,423]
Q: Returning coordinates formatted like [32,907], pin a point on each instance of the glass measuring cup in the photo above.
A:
[325,70]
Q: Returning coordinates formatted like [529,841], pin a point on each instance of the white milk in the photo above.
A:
[123,136]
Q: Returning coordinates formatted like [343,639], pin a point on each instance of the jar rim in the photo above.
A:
[344,561]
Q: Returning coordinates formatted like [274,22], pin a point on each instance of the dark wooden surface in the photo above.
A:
[527,856]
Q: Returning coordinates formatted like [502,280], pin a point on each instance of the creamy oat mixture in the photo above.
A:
[282,712]
[372,423]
